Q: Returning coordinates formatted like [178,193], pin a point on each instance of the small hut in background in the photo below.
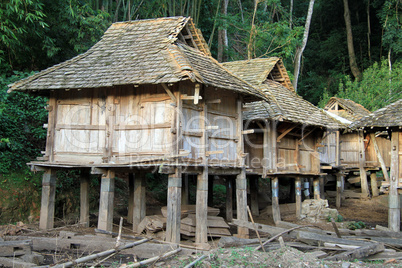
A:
[346,153]
[147,97]
[285,134]
[388,119]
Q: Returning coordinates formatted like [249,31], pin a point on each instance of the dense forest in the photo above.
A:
[352,49]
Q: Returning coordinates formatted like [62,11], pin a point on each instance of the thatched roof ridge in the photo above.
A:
[353,110]
[389,116]
[140,52]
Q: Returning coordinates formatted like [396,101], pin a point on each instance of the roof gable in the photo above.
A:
[345,108]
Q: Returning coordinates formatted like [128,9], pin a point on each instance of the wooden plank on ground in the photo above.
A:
[358,253]
[15,248]
[318,239]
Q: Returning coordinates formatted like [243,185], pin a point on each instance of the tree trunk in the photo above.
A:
[290,14]
[299,51]
[250,44]
[352,57]
[223,36]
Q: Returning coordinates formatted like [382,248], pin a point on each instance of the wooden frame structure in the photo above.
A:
[148,97]
[388,119]
[346,152]
[285,134]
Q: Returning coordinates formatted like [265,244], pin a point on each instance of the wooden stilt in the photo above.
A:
[338,190]
[174,207]
[84,198]
[48,198]
[276,213]
[254,195]
[201,237]
[322,189]
[298,197]
[362,160]
[139,204]
[317,188]
[184,190]
[210,191]
[105,219]
[374,186]
[394,213]
[130,198]
[241,198]
[229,199]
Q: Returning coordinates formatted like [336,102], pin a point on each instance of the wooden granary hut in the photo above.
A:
[287,131]
[148,96]
[348,152]
[388,119]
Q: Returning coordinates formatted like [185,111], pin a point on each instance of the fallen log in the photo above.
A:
[191,264]
[150,260]
[317,239]
[99,231]
[358,253]
[368,232]
[272,230]
[384,256]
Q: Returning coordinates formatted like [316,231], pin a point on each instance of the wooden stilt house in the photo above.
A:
[147,97]
[287,132]
[388,119]
[354,151]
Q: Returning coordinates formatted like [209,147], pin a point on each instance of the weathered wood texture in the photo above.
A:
[139,200]
[173,207]
[105,218]
[84,198]
[394,213]
[48,199]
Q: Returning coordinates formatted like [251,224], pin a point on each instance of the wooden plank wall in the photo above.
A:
[328,149]
[400,159]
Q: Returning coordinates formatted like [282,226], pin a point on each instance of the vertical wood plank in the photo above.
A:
[298,191]
[139,206]
[379,157]
[105,218]
[374,186]
[51,126]
[339,179]
[362,160]
[174,207]
[322,188]
[241,193]
[110,118]
[201,237]
[394,213]
[316,188]
[254,195]
[229,199]
[48,198]
[84,198]
[130,197]
[276,213]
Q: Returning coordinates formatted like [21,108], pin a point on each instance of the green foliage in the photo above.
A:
[356,225]
[219,191]
[339,218]
[378,87]
[22,116]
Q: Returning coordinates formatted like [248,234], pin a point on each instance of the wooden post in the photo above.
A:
[174,207]
[322,188]
[276,213]
[374,186]
[105,218]
[210,191]
[339,179]
[184,190]
[84,198]
[362,160]
[201,235]
[298,197]
[48,198]
[241,198]
[130,198]
[394,213]
[254,195]
[379,156]
[139,204]
[316,188]
[229,199]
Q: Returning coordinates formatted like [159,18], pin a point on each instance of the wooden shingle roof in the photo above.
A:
[346,108]
[288,106]
[389,116]
[149,51]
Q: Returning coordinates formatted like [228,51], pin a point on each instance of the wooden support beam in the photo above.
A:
[306,135]
[130,197]
[48,199]
[201,237]
[196,93]
[298,191]
[105,218]
[276,213]
[394,213]
[169,92]
[339,179]
[379,157]
[253,181]
[229,198]
[316,188]
[174,207]
[84,198]
[362,160]
[241,198]
[322,188]
[374,186]
[278,139]
[139,200]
